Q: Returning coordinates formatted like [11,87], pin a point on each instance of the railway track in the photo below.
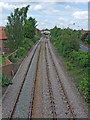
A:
[33,91]
[64,96]
[12,112]
[42,94]
[50,88]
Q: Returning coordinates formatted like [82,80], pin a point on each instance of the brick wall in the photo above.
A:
[7,70]
[37,31]
[7,50]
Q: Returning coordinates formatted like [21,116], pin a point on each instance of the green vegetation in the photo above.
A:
[87,39]
[37,37]
[20,33]
[14,27]
[29,28]
[2,61]
[5,81]
[20,51]
[27,43]
[5,55]
[19,27]
[67,44]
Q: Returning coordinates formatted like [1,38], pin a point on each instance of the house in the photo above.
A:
[3,41]
[69,29]
[37,31]
[85,31]
[84,34]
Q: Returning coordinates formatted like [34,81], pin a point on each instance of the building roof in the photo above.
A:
[2,33]
[85,31]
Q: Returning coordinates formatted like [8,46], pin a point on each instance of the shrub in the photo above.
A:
[80,58]
[5,81]
[27,43]
[37,37]
[20,51]
[65,41]
[10,57]
[84,86]
[69,65]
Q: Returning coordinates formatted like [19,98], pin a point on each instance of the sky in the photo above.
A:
[49,14]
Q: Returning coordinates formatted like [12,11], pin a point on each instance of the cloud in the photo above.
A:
[49,14]
[80,15]
[6,6]
[68,7]
[9,7]
[77,1]
[63,19]
[38,7]
[3,22]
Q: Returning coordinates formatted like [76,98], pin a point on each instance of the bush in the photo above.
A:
[65,41]
[5,81]
[84,86]
[80,58]
[10,57]
[27,43]
[69,65]
[20,51]
[37,37]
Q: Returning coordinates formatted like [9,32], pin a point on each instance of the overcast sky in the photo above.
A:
[48,14]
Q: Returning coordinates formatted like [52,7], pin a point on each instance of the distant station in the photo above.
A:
[45,31]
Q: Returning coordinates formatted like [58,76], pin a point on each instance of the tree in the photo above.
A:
[29,28]
[65,41]
[14,27]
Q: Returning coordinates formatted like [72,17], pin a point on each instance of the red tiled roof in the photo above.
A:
[2,33]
